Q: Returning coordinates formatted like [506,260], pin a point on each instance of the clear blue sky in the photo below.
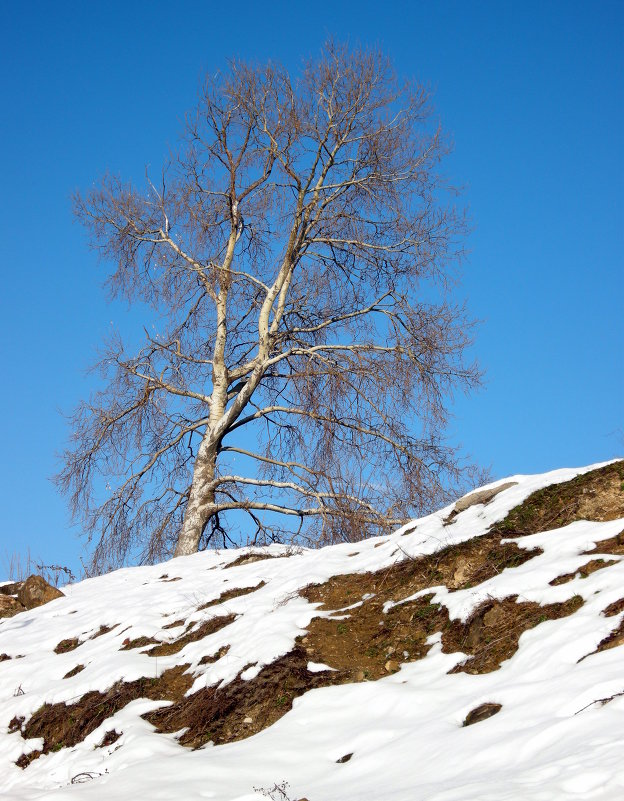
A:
[532,93]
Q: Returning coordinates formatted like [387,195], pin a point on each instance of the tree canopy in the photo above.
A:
[300,252]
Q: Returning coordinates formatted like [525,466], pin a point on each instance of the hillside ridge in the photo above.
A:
[249,655]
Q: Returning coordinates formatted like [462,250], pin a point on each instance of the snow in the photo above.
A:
[549,742]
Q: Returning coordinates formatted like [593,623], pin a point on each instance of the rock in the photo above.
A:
[36,591]
[482,712]
[248,720]
[473,638]
[11,589]
[495,616]
[463,570]
[359,675]
[391,666]
[480,497]
[9,606]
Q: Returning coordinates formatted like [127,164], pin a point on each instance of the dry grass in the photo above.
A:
[228,595]
[205,629]
[597,495]
[74,671]
[67,645]
[583,571]
[241,708]
[65,725]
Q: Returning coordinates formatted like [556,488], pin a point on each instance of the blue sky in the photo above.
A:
[532,94]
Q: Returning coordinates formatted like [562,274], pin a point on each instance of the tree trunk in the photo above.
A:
[201,503]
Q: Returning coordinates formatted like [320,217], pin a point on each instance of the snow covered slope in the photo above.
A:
[446,617]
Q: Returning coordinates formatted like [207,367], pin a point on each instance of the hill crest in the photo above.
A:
[320,674]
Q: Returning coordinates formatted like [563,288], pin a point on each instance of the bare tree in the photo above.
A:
[300,252]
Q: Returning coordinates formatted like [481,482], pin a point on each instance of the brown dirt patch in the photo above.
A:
[24,761]
[103,630]
[15,724]
[109,738]
[358,648]
[241,708]
[207,628]
[210,659]
[492,633]
[175,624]
[614,545]
[583,571]
[614,609]
[482,712]
[598,495]
[248,558]
[228,595]
[64,725]
[137,642]
[364,643]
[368,644]
[67,645]
[74,671]
[458,567]
[612,640]
[4,657]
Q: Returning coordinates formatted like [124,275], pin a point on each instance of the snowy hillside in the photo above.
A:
[469,656]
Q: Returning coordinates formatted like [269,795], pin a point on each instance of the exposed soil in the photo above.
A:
[458,567]
[74,671]
[368,644]
[210,659]
[612,640]
[228,595]
[4,657]
[614,545]
[583,571]
[103,630]
[492,633]
[614,609]
[137,642]
[175,624]
[25,759]
[598,496]
[15,724]
[67,645]
[241,708]
[248,558]
[109,738]
[358,640]
[207,628]
[64,725]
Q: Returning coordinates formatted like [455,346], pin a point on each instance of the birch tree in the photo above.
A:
[300,256]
